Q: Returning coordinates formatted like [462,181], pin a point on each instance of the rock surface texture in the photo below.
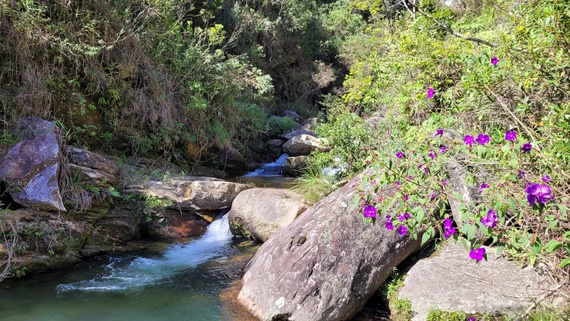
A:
[198,193]
[30,169]
[304,145]
[325,265]
[451,281]
[259,213]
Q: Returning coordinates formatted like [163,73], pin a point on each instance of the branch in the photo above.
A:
[537,302]
[453,32]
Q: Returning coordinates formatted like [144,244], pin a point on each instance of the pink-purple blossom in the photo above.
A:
[448,229]
[438,132]
[370,211]
[469,140]
[494,61]
[490,220]
[430,93]
[483,186]
[510,135]
[399,154]
[389,225]
[432,154]
[546,179]
[526,147]
[477,254]
[442,149]
[537,193]
[482,139]
[402,230]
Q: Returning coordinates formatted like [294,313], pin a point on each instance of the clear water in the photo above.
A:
[181,283]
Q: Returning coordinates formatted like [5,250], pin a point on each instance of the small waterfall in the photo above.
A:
[271,169]
[137,273]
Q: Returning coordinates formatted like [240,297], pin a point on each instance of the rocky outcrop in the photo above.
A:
[30,169]
[495,286]
[193,193]
[295,166]
[325,265]
[304,145]
[296,132]
[259,213]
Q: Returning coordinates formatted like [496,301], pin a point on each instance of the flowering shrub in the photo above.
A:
[522,217]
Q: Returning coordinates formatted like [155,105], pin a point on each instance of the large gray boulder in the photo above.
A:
[30,170]
[304,145]
[295,166]
[325,265]
[259,213]
[451,281]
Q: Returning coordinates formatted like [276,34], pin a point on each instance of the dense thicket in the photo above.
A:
[181,78]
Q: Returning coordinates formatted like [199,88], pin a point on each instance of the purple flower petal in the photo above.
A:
[477,254]
[468,140]
[526,147]
[389,225]
[399,154]
[443,149]
[430,93]
[490,220]
[482,139]
[438,132]
[370,211]
[546,179]
[511,136]
[402,230]
[494,61]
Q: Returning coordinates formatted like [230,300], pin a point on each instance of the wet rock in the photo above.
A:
[325,265]
[30,169]
[495,286]
[291,114]
[304,145]
[259,213]
[295,166]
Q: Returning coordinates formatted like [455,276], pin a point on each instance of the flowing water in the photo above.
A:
[182,282]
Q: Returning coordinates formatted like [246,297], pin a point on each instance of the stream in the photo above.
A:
[181,282]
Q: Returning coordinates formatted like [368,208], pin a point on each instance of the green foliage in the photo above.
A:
[438,315]
[278,125]
[400,309]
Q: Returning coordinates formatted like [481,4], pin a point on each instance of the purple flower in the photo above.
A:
[448,229]
[438,132]
[387,134]
[406,197]
[370,211]
[471,319]
[537,193]
[546,179]
[406,216]
[477,254]
[482,139]
[521,174]
[402,230]
[510,135]
[426,170]
[389,225]
[468,140]
[399,154]
[443,149]
[432,196]
[494,61]
[430,93]
[432,154]
[483,186]
[420,166]
[490,220]
[388,216]
[401,217]
[444,182]
[526,147]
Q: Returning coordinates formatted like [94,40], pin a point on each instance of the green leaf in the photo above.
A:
[471,232]
[552,246]
[564,263]
[553,224]
[425,237]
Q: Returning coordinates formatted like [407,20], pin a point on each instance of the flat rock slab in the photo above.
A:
[451,281]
